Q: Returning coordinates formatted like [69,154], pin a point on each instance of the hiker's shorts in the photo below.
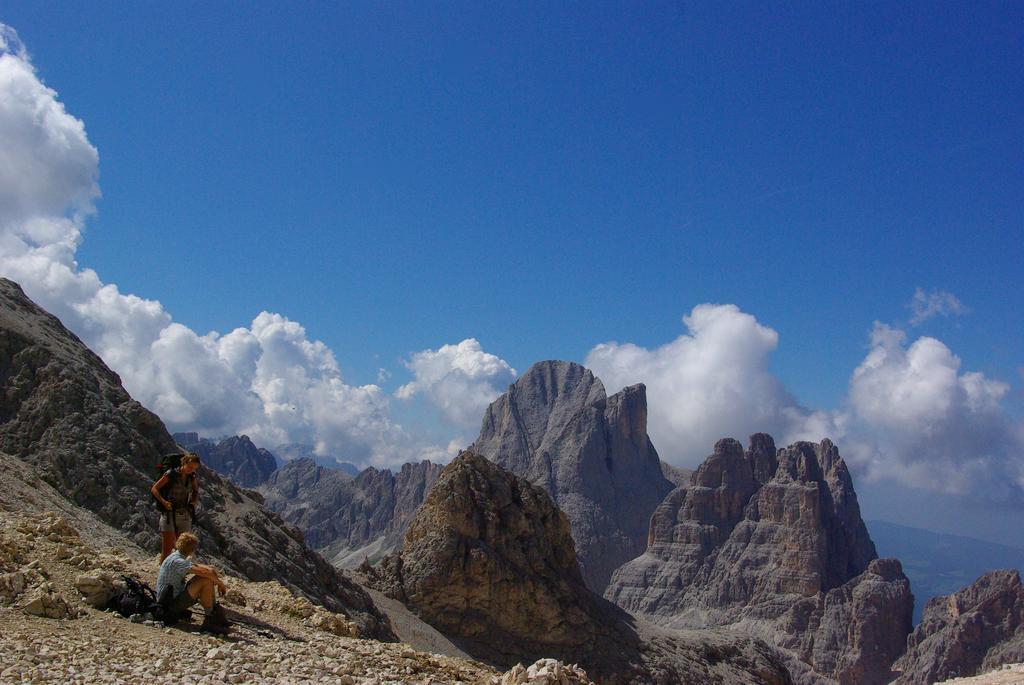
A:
[176,606]
[182,522]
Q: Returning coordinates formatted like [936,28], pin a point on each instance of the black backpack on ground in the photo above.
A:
[136,598]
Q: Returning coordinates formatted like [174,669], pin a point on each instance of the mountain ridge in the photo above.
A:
[557,428]
[66,413]
[489,559]
[771,542]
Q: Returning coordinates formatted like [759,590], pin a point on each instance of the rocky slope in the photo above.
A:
[772,543]
[58,562]
[1008,674]
[278,637]
[975,630]
[489,560]
[558,429]
[350,519]
[65,413]
[678,476]
[236,457]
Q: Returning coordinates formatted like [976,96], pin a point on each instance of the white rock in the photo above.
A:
[97,589]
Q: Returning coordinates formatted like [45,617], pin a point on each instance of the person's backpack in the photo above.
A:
[167,463]
[136,598]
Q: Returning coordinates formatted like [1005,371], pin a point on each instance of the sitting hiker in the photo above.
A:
[176,596]
[177,491]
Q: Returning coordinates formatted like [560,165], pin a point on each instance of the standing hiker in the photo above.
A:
[177,492]
[176,595]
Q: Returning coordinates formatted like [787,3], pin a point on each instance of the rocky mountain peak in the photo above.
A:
[727,466]
[974,630]
[294,479]
[235,457]
[486,540]
[762,457]
[558,429]
[772,541]
[349,518]
[489,559]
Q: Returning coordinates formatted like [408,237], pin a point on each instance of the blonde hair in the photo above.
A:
[186,544]
[189,458]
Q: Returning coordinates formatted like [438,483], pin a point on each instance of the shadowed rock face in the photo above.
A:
[349,518]
[973,631]
[772,543]
[236,457]
[556,428]
[489,560]
[65,412]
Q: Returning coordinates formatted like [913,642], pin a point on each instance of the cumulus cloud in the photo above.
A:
[460,380]
[914,414]
[48,168]
[710,382]
[48,180]
[910,413]
[925,305]
[269,380]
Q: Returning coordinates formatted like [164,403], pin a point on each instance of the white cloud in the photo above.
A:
[925,305]
[269,380]
[460,380]
[48,169]
[910,413]
[709,383]
[915,414]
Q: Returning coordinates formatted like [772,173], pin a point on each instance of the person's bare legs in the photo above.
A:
[201,589]
[167,540]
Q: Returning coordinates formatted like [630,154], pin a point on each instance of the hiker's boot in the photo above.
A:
[216,621]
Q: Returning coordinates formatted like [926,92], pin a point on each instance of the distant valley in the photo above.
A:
[939,563]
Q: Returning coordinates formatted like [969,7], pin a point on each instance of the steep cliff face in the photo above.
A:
[772,542]
[236,457]
[490,561]
[350,519]
[556,428]
[973,631]
[65,412]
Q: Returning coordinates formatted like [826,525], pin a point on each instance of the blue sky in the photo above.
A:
[545,178]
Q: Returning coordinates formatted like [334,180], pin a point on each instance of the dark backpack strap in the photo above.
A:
[171,475]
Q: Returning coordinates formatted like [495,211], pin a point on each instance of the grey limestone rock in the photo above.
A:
[350,519]
[96,588]
[678,476]
[489,561]
[235,457]
[772,543]
[46,602]
[558,429]
[972,631]
[66,413]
